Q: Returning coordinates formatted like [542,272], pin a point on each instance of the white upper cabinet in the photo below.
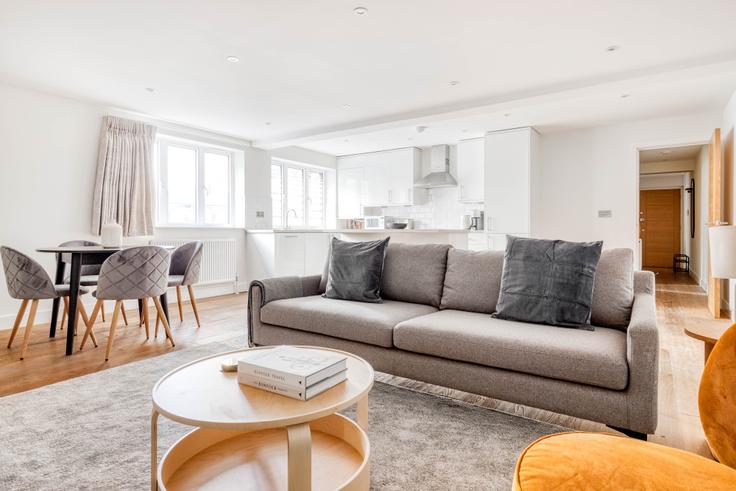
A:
[387,180]
[470,170]
[511,158]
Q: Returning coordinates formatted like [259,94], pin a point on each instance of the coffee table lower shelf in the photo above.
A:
[336,453]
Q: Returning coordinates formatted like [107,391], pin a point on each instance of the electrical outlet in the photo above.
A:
[260,214]
[605,213]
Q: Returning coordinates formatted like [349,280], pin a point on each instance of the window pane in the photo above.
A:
[277,196]
[315,199]
[216,188]
[295,197]
[182,184]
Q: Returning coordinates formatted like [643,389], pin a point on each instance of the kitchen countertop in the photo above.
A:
[363,231]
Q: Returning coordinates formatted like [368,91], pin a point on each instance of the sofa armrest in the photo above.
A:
[268,290]
[642,355]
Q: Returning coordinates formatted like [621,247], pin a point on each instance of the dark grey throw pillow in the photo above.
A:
[548,281]
[355,270]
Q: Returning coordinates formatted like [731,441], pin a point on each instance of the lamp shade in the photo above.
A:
[723,251]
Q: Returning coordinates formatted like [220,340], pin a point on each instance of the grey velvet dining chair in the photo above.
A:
[88,277]
[28,281]
[186,264]
[137,273]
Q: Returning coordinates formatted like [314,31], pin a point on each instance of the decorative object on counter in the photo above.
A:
[112,236]
[548,281]
[355,270]
[398,226]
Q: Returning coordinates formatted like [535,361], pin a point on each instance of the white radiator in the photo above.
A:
[218,259]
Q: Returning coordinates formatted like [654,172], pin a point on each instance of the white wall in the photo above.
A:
[699,260]
[47,176]
[593,169]
[728,128]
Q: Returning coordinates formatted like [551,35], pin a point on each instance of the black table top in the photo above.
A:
[89,249]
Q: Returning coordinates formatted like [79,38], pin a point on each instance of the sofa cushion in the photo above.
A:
[356,269]
[370,323]
[415,273]
[472,280]
[548,281]
[613,293]
[587,357]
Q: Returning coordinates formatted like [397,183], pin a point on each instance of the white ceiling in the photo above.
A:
[670,154]
[301,62]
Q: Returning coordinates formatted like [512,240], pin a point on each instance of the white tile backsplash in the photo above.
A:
[441,210]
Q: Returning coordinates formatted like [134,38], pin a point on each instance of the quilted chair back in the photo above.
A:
[87,269]
[186,261]
[26,279]
[134,273]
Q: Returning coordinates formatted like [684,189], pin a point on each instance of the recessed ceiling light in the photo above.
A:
[453,82]
[268,123]
[346,106]
[150,89]
[346,140]
[421,129]
[506,115]
[360,10]
[612,48]
[624,96]
[465,131]
[233,59]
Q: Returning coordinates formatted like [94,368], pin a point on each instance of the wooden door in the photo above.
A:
[715,213]
[659,212]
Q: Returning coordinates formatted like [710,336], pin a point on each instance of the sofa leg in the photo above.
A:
[631,433]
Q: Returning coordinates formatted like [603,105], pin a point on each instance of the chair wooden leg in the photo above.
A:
[90,323]
[158,320]
[18,320]
[113,325]
[83,313]
[145,318]
[160,310]
[194,303]
[125,316]
[103,311]
[66,312]
[29,325]
[178,302]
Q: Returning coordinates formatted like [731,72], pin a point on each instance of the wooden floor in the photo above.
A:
[45,362]
[680,302]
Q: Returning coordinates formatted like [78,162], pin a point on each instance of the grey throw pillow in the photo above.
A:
[548,281]
[355,270]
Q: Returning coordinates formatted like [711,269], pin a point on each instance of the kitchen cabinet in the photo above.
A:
[387,180]
[316,246]
[470,170]
[289,254]
[512,168]
[283,253]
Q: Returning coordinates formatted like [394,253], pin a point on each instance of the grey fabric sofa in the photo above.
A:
[435,326]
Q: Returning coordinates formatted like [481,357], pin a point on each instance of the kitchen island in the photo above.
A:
[299,252]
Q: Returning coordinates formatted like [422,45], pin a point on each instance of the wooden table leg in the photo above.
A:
[361,413]
[73,299]
[58,280]
[707,348]
[154,449]
[300,457]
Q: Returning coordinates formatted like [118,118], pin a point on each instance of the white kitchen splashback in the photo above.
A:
[441,210]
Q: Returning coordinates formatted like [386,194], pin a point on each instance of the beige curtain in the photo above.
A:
[124,189]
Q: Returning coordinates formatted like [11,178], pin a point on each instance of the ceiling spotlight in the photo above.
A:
[360,10]
[506,115]
[624,96]
[612,48]
[268,123]
[346,106]
[150,89]
[421,129]
[233,59]
[453,82]
[465,131]
[346,140]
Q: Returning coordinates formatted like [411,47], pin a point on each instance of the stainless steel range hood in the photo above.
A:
[439,170]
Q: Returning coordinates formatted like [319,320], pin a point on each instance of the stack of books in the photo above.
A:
[299,373]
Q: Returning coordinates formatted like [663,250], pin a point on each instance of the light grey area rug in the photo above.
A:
[93,433]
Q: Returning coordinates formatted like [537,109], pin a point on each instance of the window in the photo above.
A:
[297,196]
[195,183]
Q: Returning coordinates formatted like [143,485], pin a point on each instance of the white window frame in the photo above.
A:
[287,164]
[162,197]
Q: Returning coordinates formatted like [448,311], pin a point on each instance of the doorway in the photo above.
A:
[660,232]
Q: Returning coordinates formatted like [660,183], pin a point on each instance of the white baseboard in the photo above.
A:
[43,314]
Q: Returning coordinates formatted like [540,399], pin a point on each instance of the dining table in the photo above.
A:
[76,257]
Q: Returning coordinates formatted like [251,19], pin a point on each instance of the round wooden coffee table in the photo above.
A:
[248,438]
[709,334]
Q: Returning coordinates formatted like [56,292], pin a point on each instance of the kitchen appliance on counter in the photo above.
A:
[477,220]
[350,223]
[378,222]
